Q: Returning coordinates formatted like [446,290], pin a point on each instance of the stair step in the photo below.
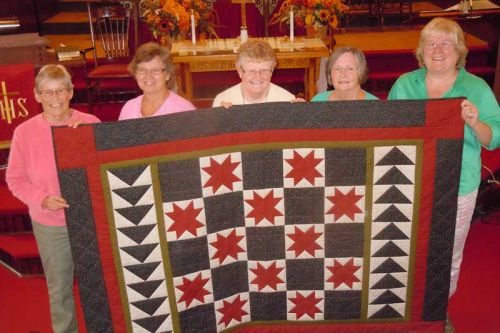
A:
[10,205]
[64,28]
[71,6]
[19,253]
[19,246]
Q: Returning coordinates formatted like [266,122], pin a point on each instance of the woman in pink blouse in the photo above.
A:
[153,70]
[32,177]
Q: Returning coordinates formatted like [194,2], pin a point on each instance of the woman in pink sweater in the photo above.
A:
[32,177]
[153,70]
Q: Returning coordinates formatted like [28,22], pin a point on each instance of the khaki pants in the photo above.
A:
[55,251]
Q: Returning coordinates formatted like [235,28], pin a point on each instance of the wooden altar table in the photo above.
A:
[220,55]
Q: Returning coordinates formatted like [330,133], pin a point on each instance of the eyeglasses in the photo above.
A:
[262,72]
[152,71]
[50,92]
[347,69]
[445,45]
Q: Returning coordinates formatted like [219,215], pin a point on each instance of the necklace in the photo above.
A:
[254,102]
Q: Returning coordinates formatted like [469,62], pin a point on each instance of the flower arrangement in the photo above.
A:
[171,19]
[311,13]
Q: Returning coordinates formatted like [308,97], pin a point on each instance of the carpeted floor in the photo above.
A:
[474,308]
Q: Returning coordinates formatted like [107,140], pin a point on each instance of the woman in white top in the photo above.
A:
[255,64]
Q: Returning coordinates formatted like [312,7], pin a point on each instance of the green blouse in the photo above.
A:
[412,86]
[323,96]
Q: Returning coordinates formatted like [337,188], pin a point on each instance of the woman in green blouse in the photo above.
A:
[441,54]
[346,71]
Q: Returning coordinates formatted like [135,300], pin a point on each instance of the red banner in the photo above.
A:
[17,102]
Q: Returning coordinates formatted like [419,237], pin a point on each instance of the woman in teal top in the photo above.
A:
[346,71]
[441,55]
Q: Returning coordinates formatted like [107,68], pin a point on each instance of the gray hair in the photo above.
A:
[357,53]
[53,72]
[256,50]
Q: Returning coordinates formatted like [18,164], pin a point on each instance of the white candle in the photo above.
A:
[292,24]
[193,30]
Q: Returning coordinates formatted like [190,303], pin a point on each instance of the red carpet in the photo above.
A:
[474,309]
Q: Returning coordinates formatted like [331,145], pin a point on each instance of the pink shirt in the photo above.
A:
[31,173]
[174,103]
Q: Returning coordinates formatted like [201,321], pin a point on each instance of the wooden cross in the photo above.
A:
[243,4]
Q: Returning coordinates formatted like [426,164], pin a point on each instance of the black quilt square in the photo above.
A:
[230,279]
[265,243]
[345,166]
[200,319]
[180,180]
[342,304]
[224,211]
[344,240]
[304,205]
[305,274]
[188,256]
[263,169]
[268,306]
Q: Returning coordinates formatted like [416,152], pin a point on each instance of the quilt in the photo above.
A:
[276,217]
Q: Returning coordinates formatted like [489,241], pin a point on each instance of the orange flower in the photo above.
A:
[171,18]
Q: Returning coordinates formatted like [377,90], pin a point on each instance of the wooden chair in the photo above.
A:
[393,7]
[114,33]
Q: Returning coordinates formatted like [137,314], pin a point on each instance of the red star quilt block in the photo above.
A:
[343,273]
[305,305]
[232,311]
[193,289]
[227,246]
[305,241]
[184,219]
[303,167]
[344,204]
[264,208]
[267,276]
[221,174]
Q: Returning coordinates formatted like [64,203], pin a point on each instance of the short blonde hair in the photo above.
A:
[53,72]
[255,51]
[445,26]
[357,53]
[147,52]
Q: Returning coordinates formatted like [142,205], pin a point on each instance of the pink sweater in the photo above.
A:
[31,173]
[174,103]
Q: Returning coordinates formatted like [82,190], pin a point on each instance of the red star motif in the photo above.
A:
[193,290]
[227,246]
[343,273]
[232,311]
[304,241]
[266,276]
[303,168]
[305,305]
[221,174]
[344,204]
[185,220]
[264,207]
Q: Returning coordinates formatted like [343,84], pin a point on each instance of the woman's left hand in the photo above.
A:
[75,124]
[470,113]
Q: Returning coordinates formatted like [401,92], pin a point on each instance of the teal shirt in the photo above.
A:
[412,86]
[323,96]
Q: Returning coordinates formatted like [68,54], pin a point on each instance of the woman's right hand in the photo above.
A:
[52,202]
